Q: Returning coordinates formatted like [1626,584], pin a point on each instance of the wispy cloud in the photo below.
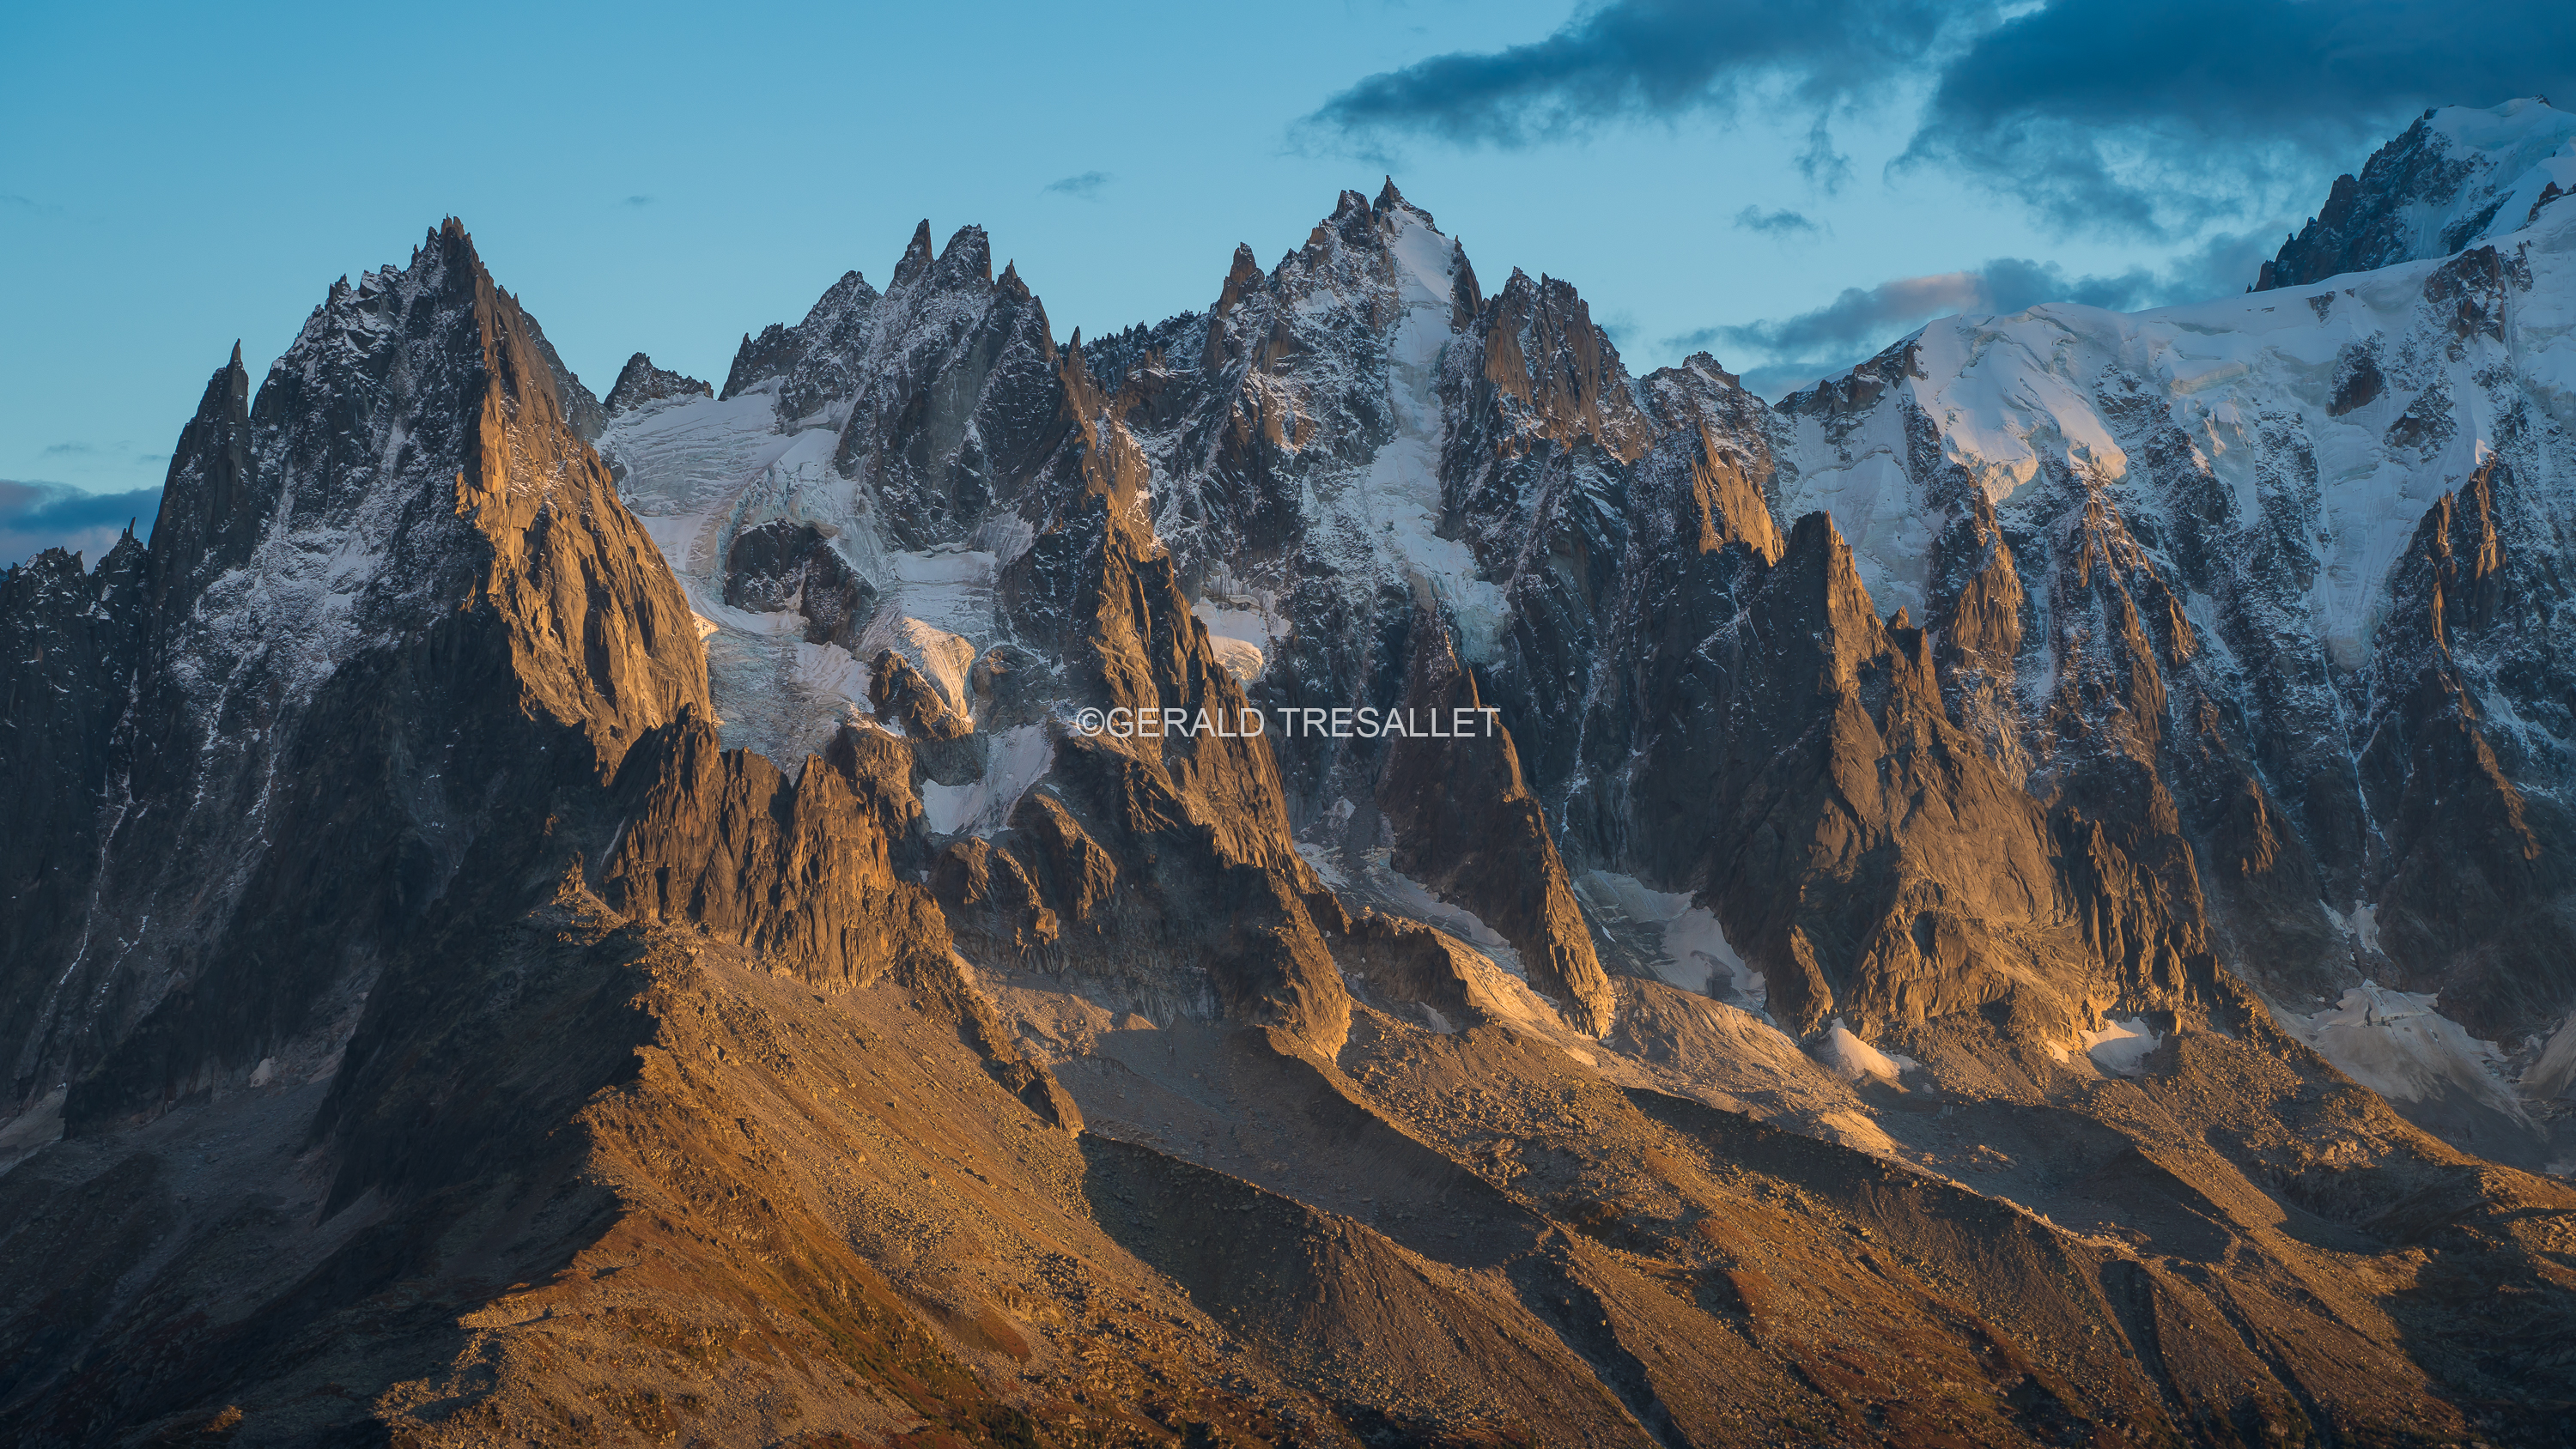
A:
[35,516]
[1831,338]
[69,450]
[637,200]
[1781,223]
[1862,315]
[1086,186]
[1825,168]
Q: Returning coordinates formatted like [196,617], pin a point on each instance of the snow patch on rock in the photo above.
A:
[1382,520]
[2361,923]
[1411,898]
[2550,1077]
[1696,954]
[1855,1060]
[2396,1044]
[1241,633]
[2120,1047]
[943,658]
[982,806]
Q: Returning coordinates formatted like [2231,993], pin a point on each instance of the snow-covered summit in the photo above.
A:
[2458,176]
[2354,408]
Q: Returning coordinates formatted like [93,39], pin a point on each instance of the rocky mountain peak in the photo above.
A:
[808,362]
[946,349]
[1240,277]
[640,382]
[405,515]
[2458,175]
[850,296]
[210,516]
[966,261]
[1351,223]
[1719,428]
[916,255]
[1553,373]
[1389,199]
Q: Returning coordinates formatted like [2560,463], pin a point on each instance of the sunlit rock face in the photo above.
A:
[2287,561]
[2019,896]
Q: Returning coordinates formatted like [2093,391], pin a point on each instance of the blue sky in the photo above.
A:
[1789,187]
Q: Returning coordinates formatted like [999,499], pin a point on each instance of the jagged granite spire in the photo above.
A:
[399,554]
[916,256]
[640,382]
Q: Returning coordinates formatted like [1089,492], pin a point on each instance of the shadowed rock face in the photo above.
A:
[1466,826]
[398,566]
[70,642]
[2477,884]
[1879,861]
[1195,822]
[782,565]
[464,1045]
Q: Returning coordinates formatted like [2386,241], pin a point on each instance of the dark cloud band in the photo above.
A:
[38,516]
[2141,119]
[2110,117]
[1650,58]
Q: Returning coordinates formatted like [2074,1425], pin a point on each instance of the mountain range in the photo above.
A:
[2020,895]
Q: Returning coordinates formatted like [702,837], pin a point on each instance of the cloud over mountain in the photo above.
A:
[2144,120]
[35,516]
[1806,345]
[1644,58]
